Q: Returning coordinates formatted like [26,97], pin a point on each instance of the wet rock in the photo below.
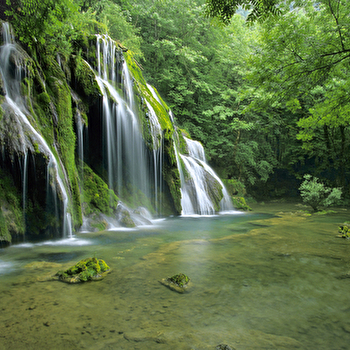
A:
[90,269]
[123,216]
[179,283]
[344,231]
[143,212]
[223,347]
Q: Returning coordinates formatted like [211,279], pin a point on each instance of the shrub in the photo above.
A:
[316,194]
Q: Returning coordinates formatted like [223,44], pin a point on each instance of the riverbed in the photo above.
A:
[273,278]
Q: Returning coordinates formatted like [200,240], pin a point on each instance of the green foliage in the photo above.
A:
[299,68]
[198,68]
[56,26]
[234,187]
[240,203]
[316,194]
[34,20]
[258,9]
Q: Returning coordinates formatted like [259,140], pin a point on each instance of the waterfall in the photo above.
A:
[80,125]
[14,101]
[25,180]
[127,159]
[129,145]
[157,140]
[199,182]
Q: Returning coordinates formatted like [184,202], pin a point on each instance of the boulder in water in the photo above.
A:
[178,283]
[123,216]
[90,269]
[344,230]
[223,347]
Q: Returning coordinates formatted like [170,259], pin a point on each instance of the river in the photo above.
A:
[274,278]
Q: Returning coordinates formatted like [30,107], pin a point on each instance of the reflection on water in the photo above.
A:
[259,282]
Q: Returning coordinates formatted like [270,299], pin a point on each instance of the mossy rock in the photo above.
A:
[179,283]
[90,269]
[124,217]
[96,194]
[240,203]
[344,230]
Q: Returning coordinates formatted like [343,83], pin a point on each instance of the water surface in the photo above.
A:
[271,279]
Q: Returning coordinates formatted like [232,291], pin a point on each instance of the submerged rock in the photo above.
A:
[123,216]
[223,347]
[178,283]
[344,231]
[85,270]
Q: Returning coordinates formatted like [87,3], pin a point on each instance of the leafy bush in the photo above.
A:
[316,194]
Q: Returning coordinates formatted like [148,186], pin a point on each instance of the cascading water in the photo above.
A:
[199,183]
[127,149]
[126,156]
[28,135]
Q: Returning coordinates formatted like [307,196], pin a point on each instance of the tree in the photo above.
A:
[33,19]
[224,10]
[316,194]
[302,64]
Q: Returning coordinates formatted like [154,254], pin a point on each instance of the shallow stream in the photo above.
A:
[274,278]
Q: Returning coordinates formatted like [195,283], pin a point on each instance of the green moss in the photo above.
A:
[66,140]
[36,147]
[4,232]
[1,109]
[97,196]
[44,99]
[83,271]
[344,230]
[234,187]
[85,77]
[161,109]
[182,143]
[100,225]
[171,174]
[11,211]
[240,203]
[133,197]
[180,279]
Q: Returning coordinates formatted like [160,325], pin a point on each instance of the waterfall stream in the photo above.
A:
[128,161]
[197,183]
[14,101]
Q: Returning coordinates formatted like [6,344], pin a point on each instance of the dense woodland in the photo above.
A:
[267,97]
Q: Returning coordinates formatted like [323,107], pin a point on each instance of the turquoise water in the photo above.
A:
[263,280]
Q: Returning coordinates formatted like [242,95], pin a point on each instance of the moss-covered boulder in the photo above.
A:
[344,231]
[179,283]
[240,203]
[123,215]
[223,347]
[90,269]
